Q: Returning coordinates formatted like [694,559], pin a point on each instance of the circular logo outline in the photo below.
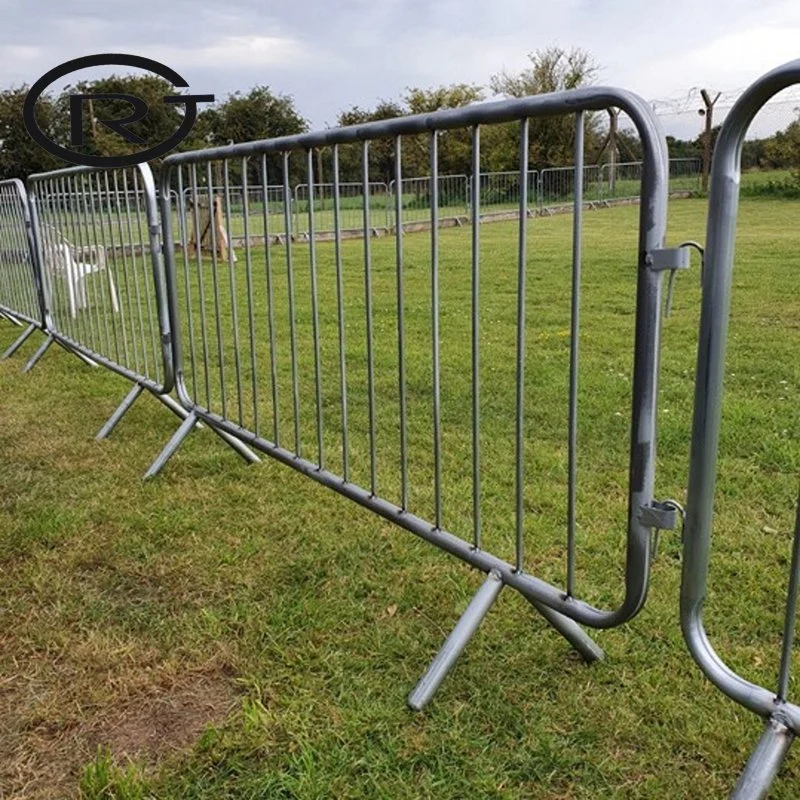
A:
[102,59]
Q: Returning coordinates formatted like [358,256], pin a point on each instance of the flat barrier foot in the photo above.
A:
[122,409]
[239,446]
[172,445]
[18,342]
[764,763]
[580,640]
[455,643]
[34,360]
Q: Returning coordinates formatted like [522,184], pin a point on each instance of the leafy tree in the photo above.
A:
[552,69]
[20,156]
[259,114]
[783,149]
[381,151]
[454,147]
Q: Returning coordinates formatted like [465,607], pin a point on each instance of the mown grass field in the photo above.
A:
[240,632]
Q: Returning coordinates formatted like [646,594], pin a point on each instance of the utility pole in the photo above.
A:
[708,113]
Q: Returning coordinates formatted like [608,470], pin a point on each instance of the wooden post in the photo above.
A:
[708,113]
[613,120]
[204,234]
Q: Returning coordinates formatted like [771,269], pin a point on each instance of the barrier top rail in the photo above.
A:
[652,227]
[98,237]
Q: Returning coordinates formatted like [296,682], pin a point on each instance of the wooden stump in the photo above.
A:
[209,237]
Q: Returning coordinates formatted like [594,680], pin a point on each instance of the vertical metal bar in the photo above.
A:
[237,360]
[791,611]
[126,243]
[368,308]
[97,247]
[105,250]
[184,240]
[212,226]
[148,279]
[136,286]
[437,430]
[201,292]
[337,232]
[521,284]
[57,193]
[91,233]
[109,203]
[476,378]
[292,332]
[577,229]
[312,257]
[251,322]
[401,348]
[270,299]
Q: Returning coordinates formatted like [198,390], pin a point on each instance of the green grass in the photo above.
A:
[240,632]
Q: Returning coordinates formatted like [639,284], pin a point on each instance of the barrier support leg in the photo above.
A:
[764,763]
[122,409]
[172,445]
[580,640]
[18,342]
[34,360]
[456,642]
[86,360]
[240,447]
[176,408]
[11,318]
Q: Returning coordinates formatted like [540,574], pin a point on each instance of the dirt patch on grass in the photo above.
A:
[145,723]
[166,720]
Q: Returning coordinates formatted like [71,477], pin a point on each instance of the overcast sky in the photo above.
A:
[333,54]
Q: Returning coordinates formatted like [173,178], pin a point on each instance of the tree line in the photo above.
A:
[262,113]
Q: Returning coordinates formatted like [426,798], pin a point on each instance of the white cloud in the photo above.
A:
[241,52]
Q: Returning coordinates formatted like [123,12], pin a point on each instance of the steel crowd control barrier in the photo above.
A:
[782,716]
[98,245]
[263,353]
[21,296]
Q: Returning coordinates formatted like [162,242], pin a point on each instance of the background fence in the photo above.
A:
[263,208]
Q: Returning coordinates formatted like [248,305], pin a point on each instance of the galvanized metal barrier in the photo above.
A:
[98,244]
[266,354]
[782,716]
[21,297]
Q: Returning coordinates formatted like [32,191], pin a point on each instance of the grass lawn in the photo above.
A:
[227,631]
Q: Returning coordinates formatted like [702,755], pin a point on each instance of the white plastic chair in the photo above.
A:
[63,258]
